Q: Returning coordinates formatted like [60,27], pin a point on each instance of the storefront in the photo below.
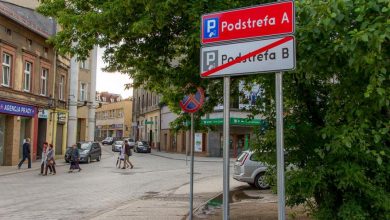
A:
[17,122]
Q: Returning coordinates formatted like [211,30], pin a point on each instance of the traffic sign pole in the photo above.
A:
[226,136]
[280,144]
[192,167]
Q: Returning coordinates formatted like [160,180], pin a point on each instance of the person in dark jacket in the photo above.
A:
[127,155]
[74,159]
[26,153]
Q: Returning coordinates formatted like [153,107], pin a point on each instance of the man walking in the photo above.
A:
[127,155]
[26,153]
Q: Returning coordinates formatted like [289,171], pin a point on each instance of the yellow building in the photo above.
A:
[114,118]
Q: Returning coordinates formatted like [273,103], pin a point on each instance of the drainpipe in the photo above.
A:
[92,97]
[54,90]
[73,94]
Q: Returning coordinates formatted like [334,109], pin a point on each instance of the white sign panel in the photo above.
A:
[43,114]
[198,142]
[252,57]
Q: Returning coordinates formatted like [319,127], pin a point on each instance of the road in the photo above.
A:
[100,190]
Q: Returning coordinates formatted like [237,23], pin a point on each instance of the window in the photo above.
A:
[83,92]
[27,76]
[84,64]
[8,31]
[111,99]
[7,65]
[45,51]
[44,75]
[61,87]
[29,42]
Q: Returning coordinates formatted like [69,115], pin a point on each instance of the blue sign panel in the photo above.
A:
[16,109]
[211,28]
[192,103]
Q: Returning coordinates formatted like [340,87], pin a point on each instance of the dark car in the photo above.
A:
[142,147]
[88,151]
[108,140]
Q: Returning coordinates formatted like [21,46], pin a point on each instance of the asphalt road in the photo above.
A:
[98,189]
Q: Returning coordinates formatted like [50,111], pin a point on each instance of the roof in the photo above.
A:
[29,18]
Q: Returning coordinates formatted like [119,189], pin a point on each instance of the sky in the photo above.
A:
[111,82]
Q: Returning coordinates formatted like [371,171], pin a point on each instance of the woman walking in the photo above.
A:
[74,159]
[50,162]
[44,158]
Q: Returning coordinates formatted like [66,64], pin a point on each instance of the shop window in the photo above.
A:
[7,67]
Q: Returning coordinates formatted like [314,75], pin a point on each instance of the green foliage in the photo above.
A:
[337,100]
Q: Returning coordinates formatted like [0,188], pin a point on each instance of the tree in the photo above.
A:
[337,110]
[336,101]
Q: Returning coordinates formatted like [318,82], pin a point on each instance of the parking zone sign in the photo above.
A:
[251,57]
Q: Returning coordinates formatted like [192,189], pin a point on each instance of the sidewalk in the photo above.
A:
[180,156]
[35,166]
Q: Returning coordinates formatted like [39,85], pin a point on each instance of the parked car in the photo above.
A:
[142,147]
[248,169]
[117,146]
[108,141]
[131,141]
[88,151]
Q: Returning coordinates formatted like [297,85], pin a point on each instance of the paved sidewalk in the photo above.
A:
[35,166]
[180,156]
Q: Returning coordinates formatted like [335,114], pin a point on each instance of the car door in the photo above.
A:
[94,153]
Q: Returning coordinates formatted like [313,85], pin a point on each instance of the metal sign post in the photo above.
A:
[192,167]
[190,104]
[226,136]
[279,144]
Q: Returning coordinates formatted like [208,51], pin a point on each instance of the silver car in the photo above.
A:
[117,146]
[248,169]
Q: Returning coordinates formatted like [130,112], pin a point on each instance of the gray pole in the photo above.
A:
[226,136]
[192,167]
[279,144]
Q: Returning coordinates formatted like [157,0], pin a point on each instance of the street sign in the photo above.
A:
[192,103]
[252,57]
[252,22]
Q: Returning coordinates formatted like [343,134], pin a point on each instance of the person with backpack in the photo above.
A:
[127,155]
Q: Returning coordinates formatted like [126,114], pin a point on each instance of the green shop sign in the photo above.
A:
[233,121]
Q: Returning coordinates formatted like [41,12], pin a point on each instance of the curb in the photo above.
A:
[196,209]
[26,170]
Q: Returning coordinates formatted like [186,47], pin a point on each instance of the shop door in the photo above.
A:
[59,138]
[42,126]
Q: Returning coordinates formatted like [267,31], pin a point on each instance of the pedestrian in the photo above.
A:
[121,157]
[50,162]
[74,159]
[44,158]
[127,155]
[26,154]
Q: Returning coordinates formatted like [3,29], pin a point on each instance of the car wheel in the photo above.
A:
[98,158]
[260,182]
[89,159]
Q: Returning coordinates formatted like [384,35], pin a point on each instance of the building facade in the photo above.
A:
[33,84]
[114,118]
[146,117]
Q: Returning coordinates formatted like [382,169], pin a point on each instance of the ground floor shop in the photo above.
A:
[112,130]
[207,143]
[19,121]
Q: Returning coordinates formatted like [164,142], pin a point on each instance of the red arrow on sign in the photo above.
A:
[248,55]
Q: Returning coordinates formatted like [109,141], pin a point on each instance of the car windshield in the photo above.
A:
[118,142]
[242,156]
[142,143]
[84,146]
[131,140]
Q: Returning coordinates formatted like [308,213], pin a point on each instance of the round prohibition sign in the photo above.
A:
[193,102]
